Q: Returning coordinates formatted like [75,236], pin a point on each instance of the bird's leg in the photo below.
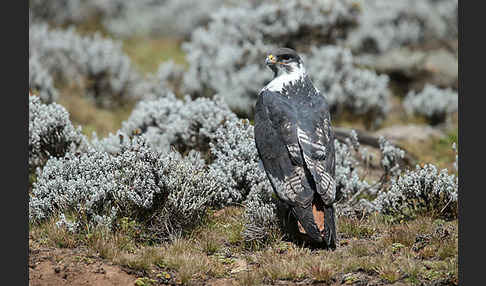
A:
[330,227]
[286,219]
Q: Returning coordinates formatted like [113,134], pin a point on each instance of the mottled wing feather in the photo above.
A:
[317,148]
[293,145]
[279,150]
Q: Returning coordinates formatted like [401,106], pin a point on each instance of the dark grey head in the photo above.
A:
[283,60]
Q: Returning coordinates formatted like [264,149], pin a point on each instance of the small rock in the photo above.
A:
[444,68]
[57,269]
[100,270]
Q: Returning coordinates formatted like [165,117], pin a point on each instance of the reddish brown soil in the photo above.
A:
[53,266]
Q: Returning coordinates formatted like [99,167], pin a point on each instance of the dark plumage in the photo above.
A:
[295,142]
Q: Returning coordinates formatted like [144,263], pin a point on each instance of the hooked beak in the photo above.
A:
[270,60]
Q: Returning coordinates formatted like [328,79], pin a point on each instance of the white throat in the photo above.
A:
[286,78]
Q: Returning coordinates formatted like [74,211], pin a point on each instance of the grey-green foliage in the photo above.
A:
[234,161]
[425,189]
[432,102]
[63,11]
[51,133]
[40,81]
[184,124]
[166,80]
[160,18]
[83,182]
[69,225]
[449,12]
[229,153]
[390,156]
[164,192]
[169,75]
[206,125]
[189,186]
[346,87]
[97,64]
[124,18]
[384,24]
[456,162]
[353,184]
[348,180]
[260,216]
[140,178]
[75,12]
[227,56]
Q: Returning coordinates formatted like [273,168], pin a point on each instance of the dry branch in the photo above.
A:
[367,139]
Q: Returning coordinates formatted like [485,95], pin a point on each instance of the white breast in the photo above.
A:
[278,83]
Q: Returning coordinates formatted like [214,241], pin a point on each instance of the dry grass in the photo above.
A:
[223,227]
[48,234]
[359,249]
[191,264]
[148,53]
[145,52]
[399,235]
[249,278]
[413,252]
[291,265]
[437,151]
[388,272]
[353,228]
[83,111]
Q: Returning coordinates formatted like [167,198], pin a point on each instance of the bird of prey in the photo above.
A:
[295,143]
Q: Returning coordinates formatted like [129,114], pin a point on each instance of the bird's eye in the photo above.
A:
[285,57]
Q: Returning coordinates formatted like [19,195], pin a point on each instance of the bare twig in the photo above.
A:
[370,140]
